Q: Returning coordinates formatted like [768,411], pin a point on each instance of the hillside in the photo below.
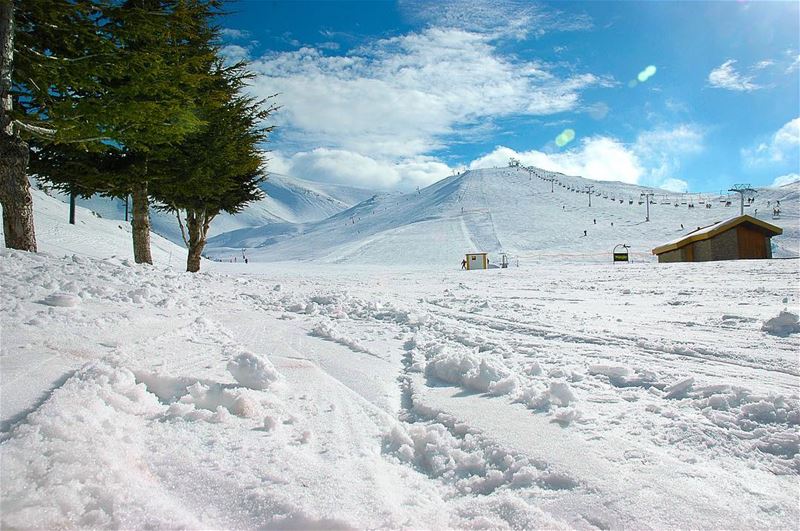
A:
[92,236]
[287,200]
[506,210]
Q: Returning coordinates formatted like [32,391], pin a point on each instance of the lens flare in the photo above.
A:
[646,74]
[566,136]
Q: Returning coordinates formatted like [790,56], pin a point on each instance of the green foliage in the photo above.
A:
[219,167]
[146,70]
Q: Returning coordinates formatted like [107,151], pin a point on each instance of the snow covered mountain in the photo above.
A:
[508,210]
[287,200]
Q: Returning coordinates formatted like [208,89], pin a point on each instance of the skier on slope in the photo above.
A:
[464,263]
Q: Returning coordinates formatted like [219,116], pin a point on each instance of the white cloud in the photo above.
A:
[782,148]
[786,179]
[653,160]
[234,34]
[598,158]
[400,97]
[347,167]
[795,64]
[725,76]
[664,149]
[233,53]
[675,185]
[509,18]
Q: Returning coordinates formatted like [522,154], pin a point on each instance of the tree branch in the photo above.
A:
[180,224]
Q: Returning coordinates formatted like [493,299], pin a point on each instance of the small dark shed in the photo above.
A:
[742,237]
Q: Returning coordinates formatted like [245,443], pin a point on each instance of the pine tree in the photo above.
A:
[50,54]
[218,169]
[152,103]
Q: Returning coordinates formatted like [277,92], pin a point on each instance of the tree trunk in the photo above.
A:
[15,194]
[72,198]
[15,190]
[197,223]
[141,224]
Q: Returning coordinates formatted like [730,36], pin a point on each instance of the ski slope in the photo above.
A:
[507,210]
[558,394]
[286,200]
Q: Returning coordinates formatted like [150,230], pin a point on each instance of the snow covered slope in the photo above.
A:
[288,200]
[507,210]
[318,396]
[91,235]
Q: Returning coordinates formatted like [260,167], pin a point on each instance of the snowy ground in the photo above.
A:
[301,396]
[307,396]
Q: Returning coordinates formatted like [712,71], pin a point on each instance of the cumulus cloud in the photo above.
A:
[653,160]
[725,76]
[599,158]
[348,167]
[675,185]
[781,148]
[786,179]
[403,96]
[233,53]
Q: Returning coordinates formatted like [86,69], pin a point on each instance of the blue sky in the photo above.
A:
[395,95]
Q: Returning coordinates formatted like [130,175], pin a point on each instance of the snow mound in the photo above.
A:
[782,325]
[472,464]
[79,460]
[472,371]
[253,370]
[63,300]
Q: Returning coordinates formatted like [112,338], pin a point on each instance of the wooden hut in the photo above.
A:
[742,237]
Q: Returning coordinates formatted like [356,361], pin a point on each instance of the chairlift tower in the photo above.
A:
[741,189]
[647,196]
[589,189]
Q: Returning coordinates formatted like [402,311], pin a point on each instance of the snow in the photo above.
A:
[563,393]
[288,200]
[508,210]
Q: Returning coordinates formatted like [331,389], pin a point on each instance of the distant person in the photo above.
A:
[595,221]
[245,260]
[681,226]
[612,223]
[464,264]
[584,233]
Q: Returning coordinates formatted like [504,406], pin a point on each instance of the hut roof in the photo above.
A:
[710,231]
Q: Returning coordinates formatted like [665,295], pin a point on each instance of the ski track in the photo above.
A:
[363,430]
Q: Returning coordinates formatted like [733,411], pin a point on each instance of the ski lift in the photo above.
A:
[620,253]
[630,202]
[504,261]
[727,203]
[641,202]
